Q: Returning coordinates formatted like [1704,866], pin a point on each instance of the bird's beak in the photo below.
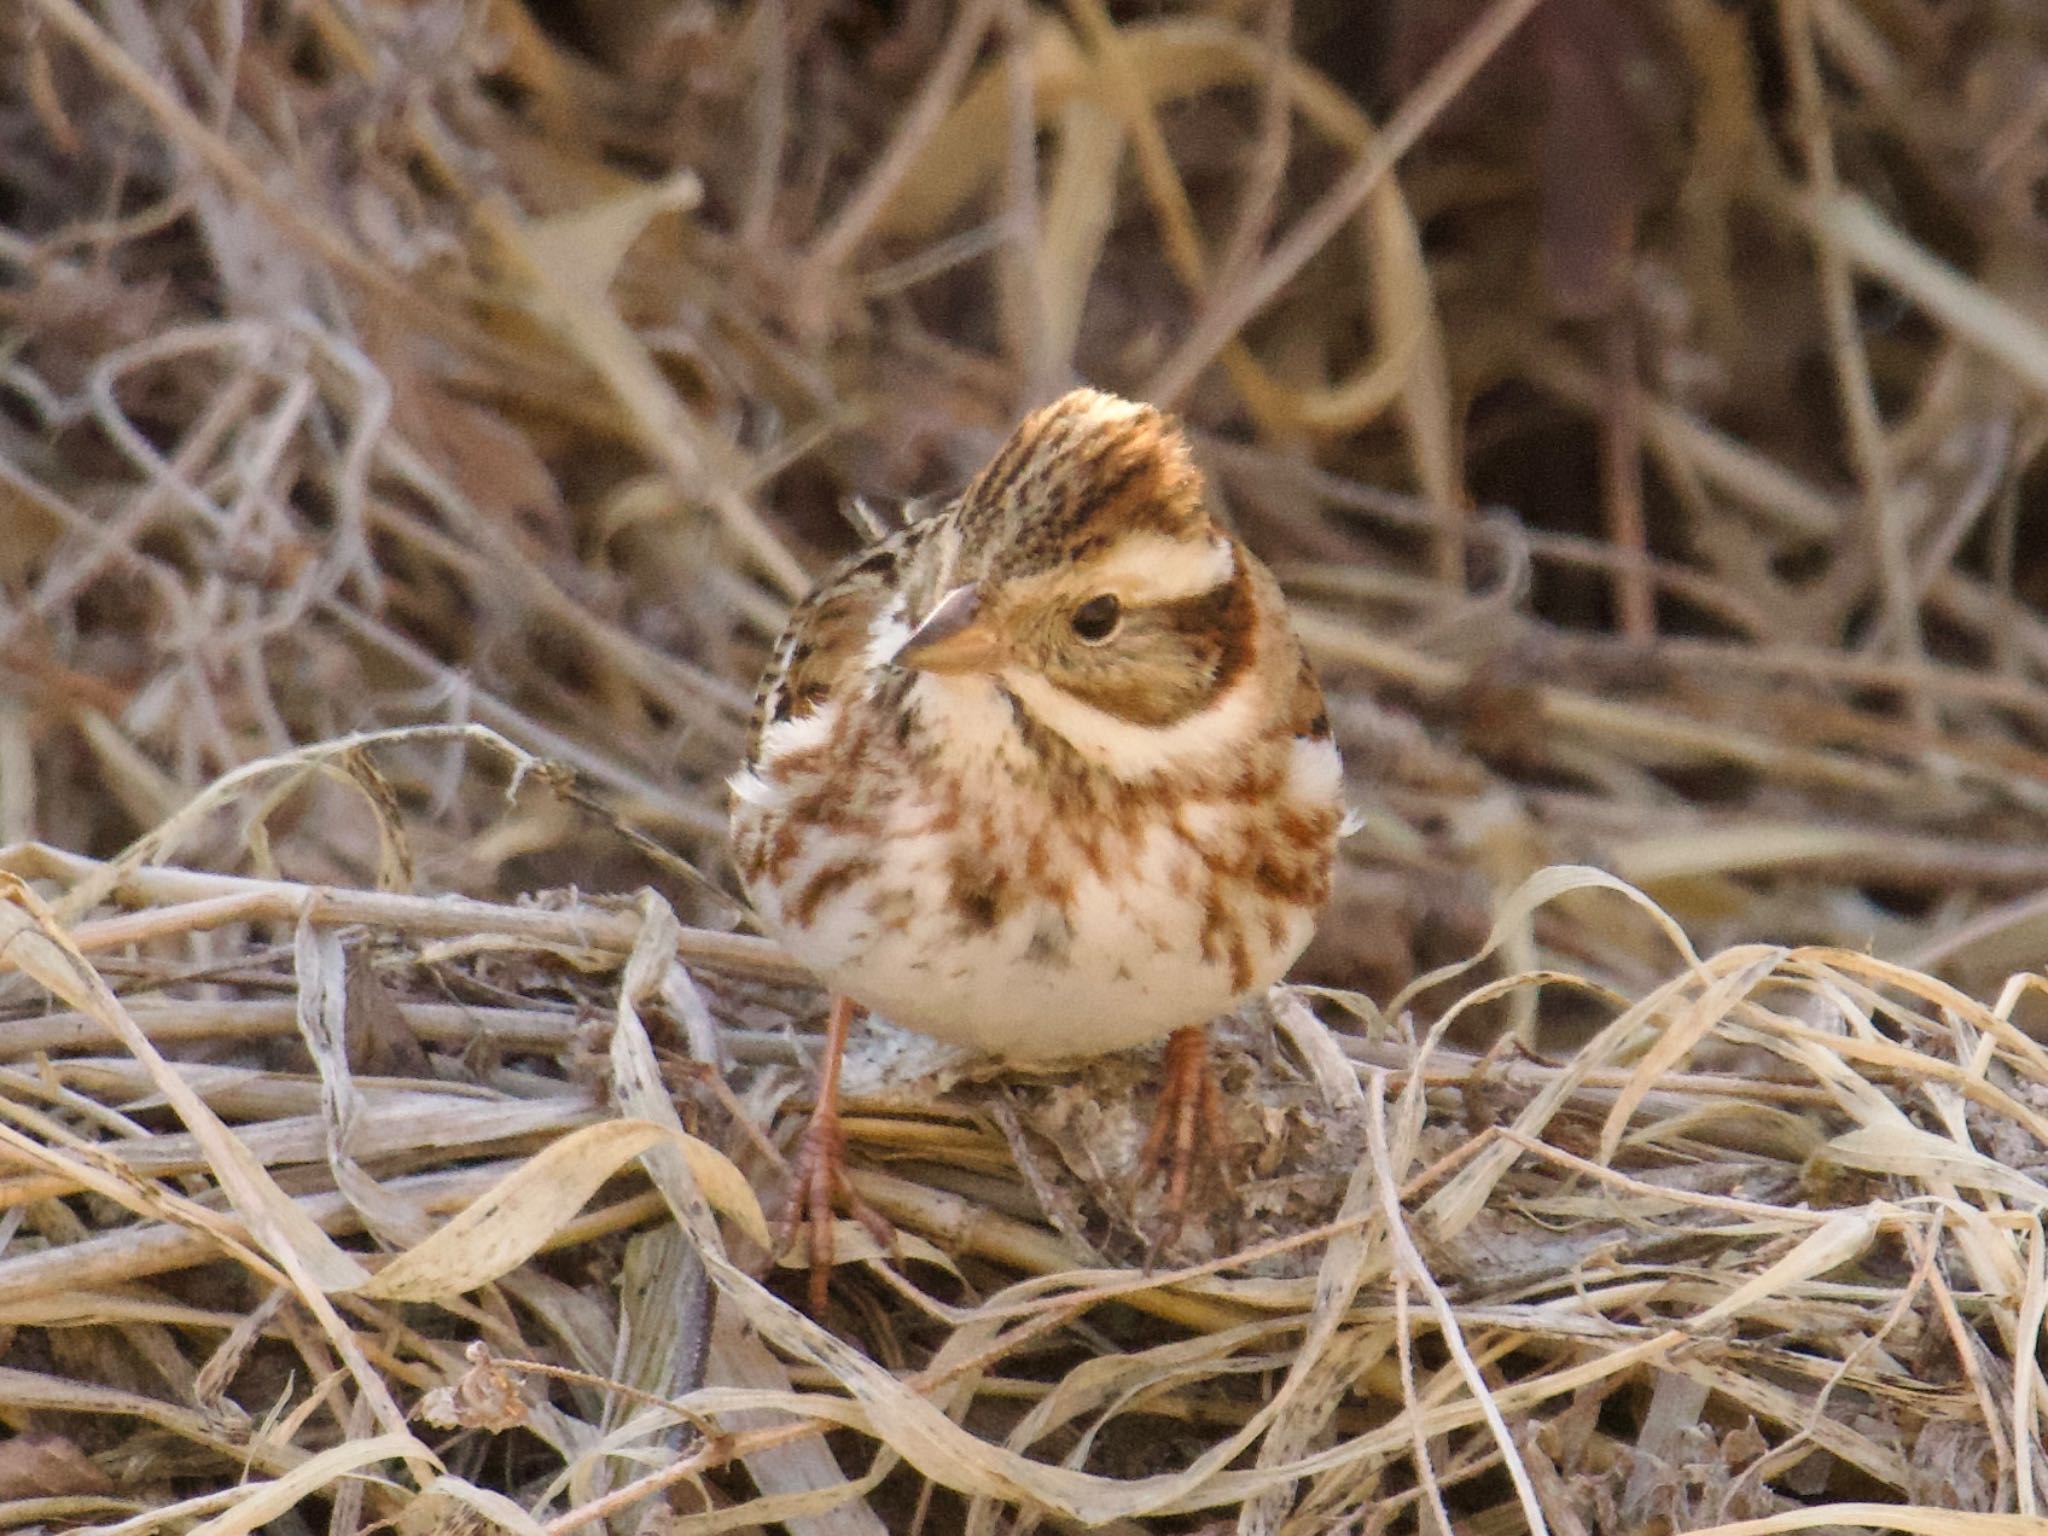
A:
[954,637]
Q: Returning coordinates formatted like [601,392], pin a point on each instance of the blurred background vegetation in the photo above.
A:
[1654,455]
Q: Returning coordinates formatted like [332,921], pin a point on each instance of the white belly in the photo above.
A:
[1119,966]
[1093,938]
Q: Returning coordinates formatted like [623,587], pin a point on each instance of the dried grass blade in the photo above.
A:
[264,1502]
[507,1226]
[1916,1520]
[31,942]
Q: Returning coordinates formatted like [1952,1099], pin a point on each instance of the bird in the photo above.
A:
[1045,773]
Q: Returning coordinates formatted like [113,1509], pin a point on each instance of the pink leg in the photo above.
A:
[817,1175]
[1188,1128]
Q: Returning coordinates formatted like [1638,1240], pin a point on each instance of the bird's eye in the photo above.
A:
[1096,620]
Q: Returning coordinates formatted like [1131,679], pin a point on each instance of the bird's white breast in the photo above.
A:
[1100,941]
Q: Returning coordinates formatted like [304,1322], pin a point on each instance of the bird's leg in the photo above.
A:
[817,1174]
[1187,1127]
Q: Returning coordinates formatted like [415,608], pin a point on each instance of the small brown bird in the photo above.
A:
[1047,774]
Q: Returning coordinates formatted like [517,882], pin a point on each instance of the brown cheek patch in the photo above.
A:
[1222,622]
[1194,649]
[1154,696]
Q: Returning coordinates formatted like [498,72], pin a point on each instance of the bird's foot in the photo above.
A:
[817,1179]
[1188,1135]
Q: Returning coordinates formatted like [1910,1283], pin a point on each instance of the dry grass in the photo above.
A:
[1659,1140]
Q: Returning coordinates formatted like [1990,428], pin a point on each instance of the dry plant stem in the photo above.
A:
[1178,226]
[1023,298]
[1188,1129]
[495,563]
[1173,211]
[701,461]
[189,900]
[1964,1342]
[817,1171]
[769,113]
[1621,452]
[1882,516]
[466,699]
[1810,663]
[113,544]
[1407,366]
[1702,452]
[183,126]
[1977,315]
[1253,217]
[1230,311]
[1661,735]
[137,1252]
[942,83]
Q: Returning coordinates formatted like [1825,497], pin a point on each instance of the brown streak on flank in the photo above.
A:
[782,849]
[746,858]
[1309,830]
[1240,962]
[1285,880]
[979,892]
[827,883]
[1214,920]
[1256,784]
[1276,928]
[1306,715]
[1051,940]
[894,908]
[1223,939]
[826,807]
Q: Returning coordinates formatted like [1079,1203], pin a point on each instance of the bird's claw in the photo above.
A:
[818,1179]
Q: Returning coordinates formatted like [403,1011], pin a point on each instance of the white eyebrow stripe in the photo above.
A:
[1152,568]
[1132,751]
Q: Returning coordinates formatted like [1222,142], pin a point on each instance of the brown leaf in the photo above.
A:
[44,1466]
[380,1041]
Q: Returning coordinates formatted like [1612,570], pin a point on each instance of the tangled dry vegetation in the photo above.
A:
[1659,1140]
